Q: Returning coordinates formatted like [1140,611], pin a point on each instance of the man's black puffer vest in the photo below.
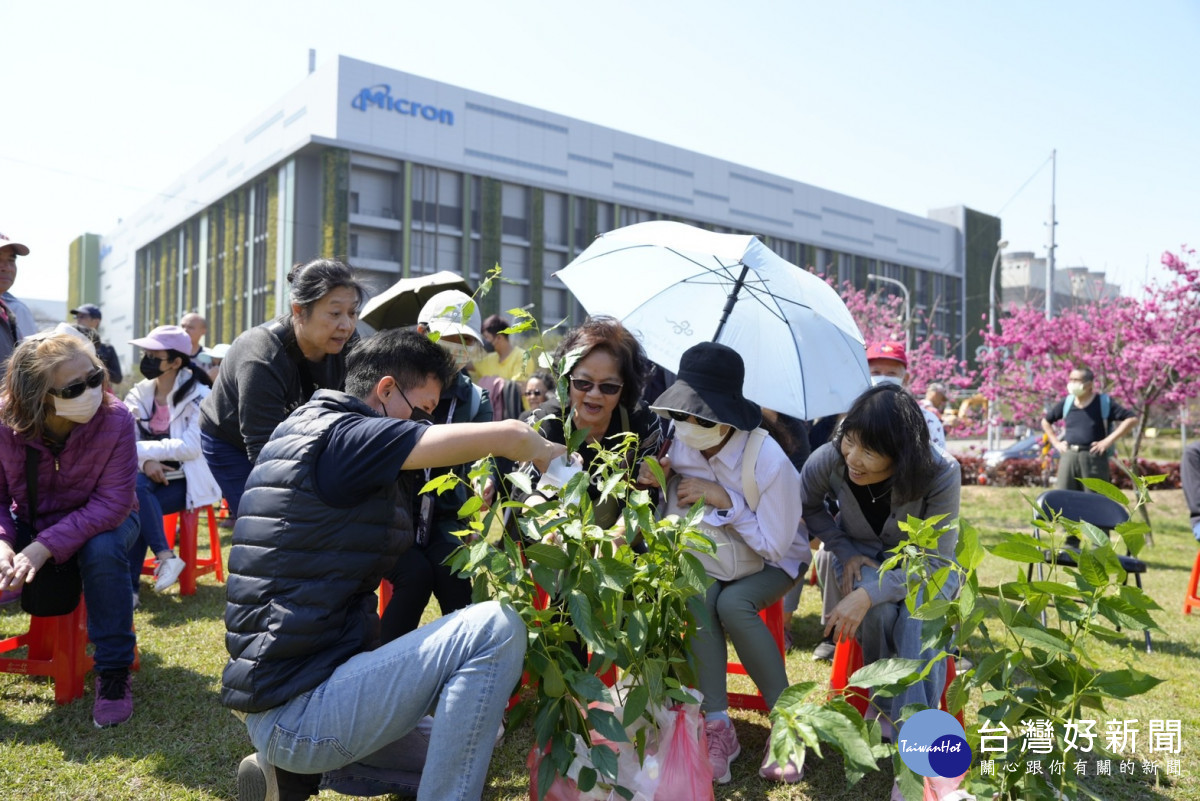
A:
[302,574]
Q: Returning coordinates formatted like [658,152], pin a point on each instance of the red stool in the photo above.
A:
[57,648]
[773,617]
[1192,598]
[385,595]
[847,658]
[188,523]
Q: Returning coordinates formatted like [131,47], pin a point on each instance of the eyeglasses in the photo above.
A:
[585,387]
[74,390]
[681,417]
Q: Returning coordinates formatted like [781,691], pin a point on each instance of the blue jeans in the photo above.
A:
[230,466]
[461,669]
[887,631]
[155,501]
[104,564]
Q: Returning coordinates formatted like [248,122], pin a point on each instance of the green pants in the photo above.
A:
[733,607]
[1074,465]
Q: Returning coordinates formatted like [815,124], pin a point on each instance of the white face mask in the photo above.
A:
[81,409]
[699,437]
[1075,388]
[876,380]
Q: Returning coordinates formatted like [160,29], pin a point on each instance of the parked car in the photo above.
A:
[1033,446]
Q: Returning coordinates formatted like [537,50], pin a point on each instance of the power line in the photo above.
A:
[1041,167]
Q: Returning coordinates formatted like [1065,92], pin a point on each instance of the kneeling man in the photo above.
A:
[322,521]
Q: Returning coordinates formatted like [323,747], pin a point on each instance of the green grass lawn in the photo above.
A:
[181,744]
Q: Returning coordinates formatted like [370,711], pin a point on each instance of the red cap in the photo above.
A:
[888,350]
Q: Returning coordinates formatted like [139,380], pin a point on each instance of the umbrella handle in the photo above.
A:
[730,301]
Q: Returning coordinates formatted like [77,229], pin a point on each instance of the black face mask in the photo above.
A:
[420,415]
[151,367]
[489,347]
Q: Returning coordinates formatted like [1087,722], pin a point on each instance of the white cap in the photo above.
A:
[219,351]
[444,313]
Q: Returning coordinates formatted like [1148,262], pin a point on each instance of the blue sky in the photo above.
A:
[913,105]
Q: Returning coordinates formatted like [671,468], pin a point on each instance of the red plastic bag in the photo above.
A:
[685,773]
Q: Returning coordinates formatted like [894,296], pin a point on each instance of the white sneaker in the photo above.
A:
[167,573]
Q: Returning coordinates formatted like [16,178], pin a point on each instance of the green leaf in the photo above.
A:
[553,684]
[957,694]
[521,481]
[969,550]
[546,776]
[635,703]
[793,696]
[886,671]
[605,760]
[837,730]
[581,616]
[473,505]
[636,628]
[1091,569]
[1018,552]
[1124,683]
[586,780]
[588,686]
[606,725]
[1095,535]
[551,556]
[1123,613]
[932,610]
[1107,490]
[1055,588]
[1043,638]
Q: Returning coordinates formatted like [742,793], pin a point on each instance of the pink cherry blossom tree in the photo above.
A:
[1145,351]
[932,358]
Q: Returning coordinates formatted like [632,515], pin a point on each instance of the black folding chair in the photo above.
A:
[1086,507]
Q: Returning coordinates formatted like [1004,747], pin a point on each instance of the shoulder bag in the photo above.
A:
[733,559]
[56,588]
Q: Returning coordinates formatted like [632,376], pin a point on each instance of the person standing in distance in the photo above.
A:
[88,315]
[1088,435]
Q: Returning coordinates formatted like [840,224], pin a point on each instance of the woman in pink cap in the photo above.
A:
[172,472]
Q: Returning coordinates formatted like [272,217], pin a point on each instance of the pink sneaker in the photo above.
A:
[772,772]
[723,748]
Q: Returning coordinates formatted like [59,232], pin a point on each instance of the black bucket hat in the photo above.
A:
[709,386]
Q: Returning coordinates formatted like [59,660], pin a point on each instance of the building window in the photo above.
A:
[514,211]
[555,218]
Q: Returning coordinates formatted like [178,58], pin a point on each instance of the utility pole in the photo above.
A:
[1053,223]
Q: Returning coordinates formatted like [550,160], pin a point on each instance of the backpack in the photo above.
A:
[1105,408]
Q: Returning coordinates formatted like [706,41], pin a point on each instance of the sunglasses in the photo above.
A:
[74,390]
[580,385]
[534,393]
[681,417]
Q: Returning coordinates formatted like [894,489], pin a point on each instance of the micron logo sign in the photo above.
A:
[380,96]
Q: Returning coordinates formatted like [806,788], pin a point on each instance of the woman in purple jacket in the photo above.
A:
[56,406]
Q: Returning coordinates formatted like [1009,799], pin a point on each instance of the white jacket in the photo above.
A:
[182,443]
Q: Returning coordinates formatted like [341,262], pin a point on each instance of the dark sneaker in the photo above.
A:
[114,698]
[824,650]
[259,780]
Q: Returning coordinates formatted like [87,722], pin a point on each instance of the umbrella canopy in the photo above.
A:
[399,305]
[673,285]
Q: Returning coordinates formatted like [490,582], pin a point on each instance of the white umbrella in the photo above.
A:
[674,285]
